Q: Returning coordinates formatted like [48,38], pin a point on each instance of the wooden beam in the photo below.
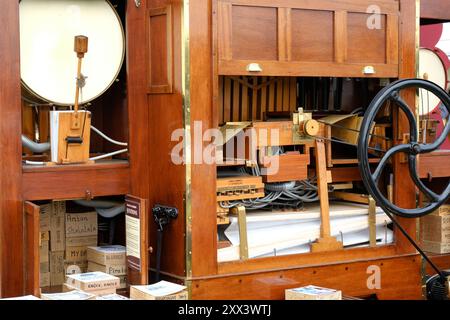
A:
[11,211]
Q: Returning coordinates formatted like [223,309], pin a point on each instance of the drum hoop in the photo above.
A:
[436,52]
[122,30]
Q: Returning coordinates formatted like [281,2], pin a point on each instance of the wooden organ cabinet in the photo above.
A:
[218,62]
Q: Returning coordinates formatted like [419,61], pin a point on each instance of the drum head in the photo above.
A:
[431,68]
[48,60]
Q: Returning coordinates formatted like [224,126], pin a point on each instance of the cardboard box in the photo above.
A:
[44,217]
[76,254]
[44,267]
[435,247]
[443,210]
[89,241]
[45,236]
[162,290]
[436,228]
[71,295]
[74,268]
[44,251]
[123,282]
[44,279]
[113,296]
[112,269]
[57,230]
[81,224]
[57,276]
[93,281]
[107,255]
[104,292]
[313,293]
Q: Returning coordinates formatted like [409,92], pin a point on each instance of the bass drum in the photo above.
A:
[48,60]
[432,67]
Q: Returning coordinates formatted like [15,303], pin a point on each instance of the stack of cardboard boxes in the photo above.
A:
[81,231]
[64,238]
[435,229]
[44,246]
[57,244]
[110,260]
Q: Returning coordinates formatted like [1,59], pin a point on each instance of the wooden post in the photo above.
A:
[372,222]
[242,223]
[326,242]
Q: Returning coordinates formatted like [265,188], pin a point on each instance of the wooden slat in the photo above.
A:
[279,103]
[245,105]
[284,34]
[286,94]
[263,98]
[309,69]
[293,94]
[392,39]
[221,104]
[272,96]
[236,100]
[340,36]
[255,99]
[227,101]
[225,27]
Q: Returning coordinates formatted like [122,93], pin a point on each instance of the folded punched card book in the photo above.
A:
[70,141]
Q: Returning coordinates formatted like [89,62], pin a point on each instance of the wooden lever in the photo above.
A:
[81,48]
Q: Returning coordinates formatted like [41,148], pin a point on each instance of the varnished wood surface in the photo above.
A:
[308,259]
[435,10]
[434,165]
[204,233]
[72,182]
[11,215]
[262,32]
[351,278]
[31,256]
[404,189]
[166,180]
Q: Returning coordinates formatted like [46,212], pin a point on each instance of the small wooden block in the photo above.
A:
[326,244]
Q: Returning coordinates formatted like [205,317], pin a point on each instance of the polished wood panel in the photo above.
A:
[366,45]
[203,187]
[435,10]
[303,38]
[160,70]
[313,35]
[404,189]
[272,284]
[165,180]
[434,165]
[11,210]
[254,33]
[72,182]
[32,257]
[442,261]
